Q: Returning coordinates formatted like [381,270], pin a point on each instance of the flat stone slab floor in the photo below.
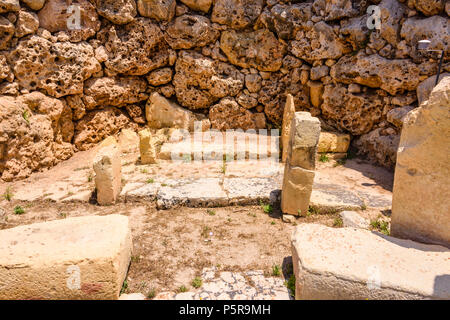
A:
[250,285]
[350,186]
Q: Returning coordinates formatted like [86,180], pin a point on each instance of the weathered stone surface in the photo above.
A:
[429,7]
[199,5]
[7,32]
[162,113]
[27,23]
[99,124]
[9,5]
[305,133]
[391,12]
[354,113]
[135,48]
[205,192]
[348,263]
[108,174]
[34,134]
[333,142]
[160,10]
[259,49]
[132,296]
[288,115]
[351,219]
[114,91]
[200,81]
[34,4]
[316,93]
[318,42]
[380,145]
[76,63]
[436,29]
[228,114]
[117,11]
[286,20]
[332,10]
[397,115]
[394,76]
[425,87]
[160,77]
[128,140]
[189,31]
[237,14]
[80,258]
[147,147]
[296,191]
[248,191]
[55,15]
[420,207]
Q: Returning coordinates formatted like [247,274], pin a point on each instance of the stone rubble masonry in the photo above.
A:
[420,208]
[108,174]
[300,164]
[42,260]
[347,263]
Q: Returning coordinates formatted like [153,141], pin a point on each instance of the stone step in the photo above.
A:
[221,146]
[75,258]
[348,263]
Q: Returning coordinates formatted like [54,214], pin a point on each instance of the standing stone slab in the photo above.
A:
[305,133]
[348,263]
[420,206]
[74,258]
[108,174]
[300,164]
[288,115]
[147,147]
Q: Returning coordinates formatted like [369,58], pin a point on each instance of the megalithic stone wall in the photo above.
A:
[300,164]
[421,207]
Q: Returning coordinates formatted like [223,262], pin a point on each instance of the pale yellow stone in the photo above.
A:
[421,207]
[108,174]
[297,189]
[333,142]
[316,93]
[162,113]
[147,147]
[109,141]
[288,115]
[128,140]
[42,260]
[349,263]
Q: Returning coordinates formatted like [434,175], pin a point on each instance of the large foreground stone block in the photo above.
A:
[420,206]
[75,258]
[347,263]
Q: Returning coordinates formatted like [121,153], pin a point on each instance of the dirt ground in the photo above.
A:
[170,248]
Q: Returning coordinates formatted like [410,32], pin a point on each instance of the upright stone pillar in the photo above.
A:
[108,174]
[300,164]
[147,147]
[420,206]
[289,111]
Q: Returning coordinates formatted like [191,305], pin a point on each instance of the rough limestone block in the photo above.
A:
[297,189]
[147,147]
[333,142]
[162,113]
[420,206]
[74,258]
[288,115]
[425,87]
[347,263]
[305,133]
[108,174]
[128,140]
